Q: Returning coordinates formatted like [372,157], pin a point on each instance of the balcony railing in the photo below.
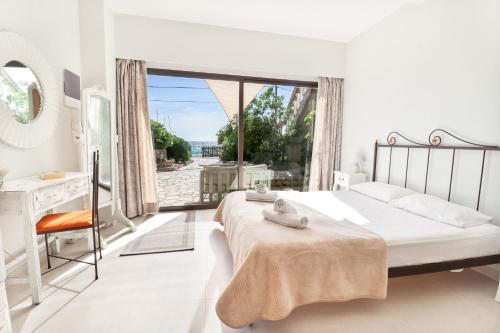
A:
[210,151]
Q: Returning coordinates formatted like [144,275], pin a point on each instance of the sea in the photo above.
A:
[196,146]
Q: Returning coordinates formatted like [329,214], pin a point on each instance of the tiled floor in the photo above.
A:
[177,292]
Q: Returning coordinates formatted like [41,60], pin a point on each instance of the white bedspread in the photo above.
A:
[411,239]
[278,268]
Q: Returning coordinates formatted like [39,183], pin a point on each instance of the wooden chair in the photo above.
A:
[75,220]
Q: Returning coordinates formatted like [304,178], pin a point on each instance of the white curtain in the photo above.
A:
[136,159]
[327,134]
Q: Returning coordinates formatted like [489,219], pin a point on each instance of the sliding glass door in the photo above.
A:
[201,153]
[278,137]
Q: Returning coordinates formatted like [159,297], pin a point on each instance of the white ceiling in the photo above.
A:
[334,20]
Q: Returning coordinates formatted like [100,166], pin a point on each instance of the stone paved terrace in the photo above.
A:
[181,187]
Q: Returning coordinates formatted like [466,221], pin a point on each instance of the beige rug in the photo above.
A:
[172,236]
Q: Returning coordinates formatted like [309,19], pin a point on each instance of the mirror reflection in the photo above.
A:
[20,91]
[99,138]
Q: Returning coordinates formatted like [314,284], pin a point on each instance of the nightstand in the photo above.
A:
[345,179]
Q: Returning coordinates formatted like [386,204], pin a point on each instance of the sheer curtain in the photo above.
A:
[136,161]
[327,134]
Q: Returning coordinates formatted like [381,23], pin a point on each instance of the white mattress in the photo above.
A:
[411,239]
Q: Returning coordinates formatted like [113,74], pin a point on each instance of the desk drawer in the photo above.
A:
[76,186]
[46,198]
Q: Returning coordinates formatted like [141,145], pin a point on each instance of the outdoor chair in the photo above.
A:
[217,181]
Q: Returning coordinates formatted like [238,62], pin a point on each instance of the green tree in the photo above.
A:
[162,139]
[309,124]
[267,129]
[227,137]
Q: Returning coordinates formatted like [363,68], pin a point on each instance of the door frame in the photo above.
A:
[241,79]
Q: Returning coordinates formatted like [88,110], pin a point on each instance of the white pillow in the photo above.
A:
[381,191]
[441,210]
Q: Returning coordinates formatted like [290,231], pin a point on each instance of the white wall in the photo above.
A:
[191,46]
[431,65]
[52,26]
[427,66]
[97,45]
[92,44]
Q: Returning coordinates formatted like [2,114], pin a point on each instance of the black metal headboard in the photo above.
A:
[434,142]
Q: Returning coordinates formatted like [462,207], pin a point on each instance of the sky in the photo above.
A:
[192,111]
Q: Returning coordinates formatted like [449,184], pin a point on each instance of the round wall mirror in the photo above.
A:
[20,91]
[29,93]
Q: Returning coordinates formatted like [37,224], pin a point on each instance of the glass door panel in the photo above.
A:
[194,125]
[278,136]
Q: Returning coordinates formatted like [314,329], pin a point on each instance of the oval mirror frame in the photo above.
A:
[35,133]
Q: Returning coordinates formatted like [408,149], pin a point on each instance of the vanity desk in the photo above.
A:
[25,72]
[28,198]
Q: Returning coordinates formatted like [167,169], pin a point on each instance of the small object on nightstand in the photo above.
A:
[345,179]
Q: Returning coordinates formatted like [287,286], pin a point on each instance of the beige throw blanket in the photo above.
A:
[278,269]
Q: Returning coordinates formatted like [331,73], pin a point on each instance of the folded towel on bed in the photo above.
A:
[286,219]
[252,195]
[284,206]
[261,188]
[279,269]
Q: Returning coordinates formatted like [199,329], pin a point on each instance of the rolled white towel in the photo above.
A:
[261,188]
[286,219]
[252,195]
[284,206]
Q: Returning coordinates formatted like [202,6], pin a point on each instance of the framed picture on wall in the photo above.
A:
[72,91]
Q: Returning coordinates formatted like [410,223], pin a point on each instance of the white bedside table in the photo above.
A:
[345,179]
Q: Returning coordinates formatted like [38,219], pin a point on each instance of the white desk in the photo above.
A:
[29,197]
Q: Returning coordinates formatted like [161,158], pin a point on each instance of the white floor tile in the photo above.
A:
[177,292]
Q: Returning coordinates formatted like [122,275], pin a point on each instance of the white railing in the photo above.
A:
[217,181]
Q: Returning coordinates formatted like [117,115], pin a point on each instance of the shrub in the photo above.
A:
[180,150]
[177,148]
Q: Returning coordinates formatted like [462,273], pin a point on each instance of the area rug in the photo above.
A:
[172,236]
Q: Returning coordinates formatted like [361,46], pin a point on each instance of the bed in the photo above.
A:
[412,244]
[411,239]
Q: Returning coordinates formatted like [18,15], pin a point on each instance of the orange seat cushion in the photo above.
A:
[64,221]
